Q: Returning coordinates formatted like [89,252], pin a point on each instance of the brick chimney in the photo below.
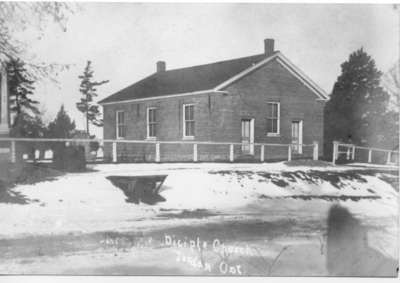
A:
[161,67]
[269,46]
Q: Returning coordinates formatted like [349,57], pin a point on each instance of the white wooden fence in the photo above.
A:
[349,150]
[230,146]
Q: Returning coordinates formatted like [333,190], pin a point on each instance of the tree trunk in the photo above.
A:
[87,123]
[87,114]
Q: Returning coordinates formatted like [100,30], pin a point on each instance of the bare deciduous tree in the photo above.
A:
[391,82]
[19,17]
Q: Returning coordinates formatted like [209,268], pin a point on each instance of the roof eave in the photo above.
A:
[162,96]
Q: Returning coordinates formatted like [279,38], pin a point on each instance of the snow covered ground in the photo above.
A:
[205,194]
[88,202]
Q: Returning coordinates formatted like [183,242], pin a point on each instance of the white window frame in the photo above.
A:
[184,121]
[278,124]
[117,124]
[148,123]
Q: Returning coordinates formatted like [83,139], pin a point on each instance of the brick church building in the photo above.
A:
[261,98]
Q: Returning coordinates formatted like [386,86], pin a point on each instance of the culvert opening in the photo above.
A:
[138,189]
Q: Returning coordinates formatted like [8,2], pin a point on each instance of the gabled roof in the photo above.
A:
[191,79]
[205,78]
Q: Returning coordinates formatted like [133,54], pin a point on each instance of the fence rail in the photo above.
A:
[349,150]
[230,150]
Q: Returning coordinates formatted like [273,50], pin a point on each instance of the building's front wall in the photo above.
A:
[274,83]
[218,118]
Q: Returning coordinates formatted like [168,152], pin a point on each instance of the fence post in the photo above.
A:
[315,152]
[289,152]
[389,157]
[231,155]
[353,153]
[13,157]
[335,152]
[195,152]
[262,153]
[369,156]
[114,152]
[158,159]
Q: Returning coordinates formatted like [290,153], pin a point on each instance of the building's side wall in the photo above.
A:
[218,118]
[212,123]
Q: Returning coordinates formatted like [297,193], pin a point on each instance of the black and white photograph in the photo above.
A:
[199,139]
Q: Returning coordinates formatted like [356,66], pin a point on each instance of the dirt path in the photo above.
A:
[227,248]
[279,246]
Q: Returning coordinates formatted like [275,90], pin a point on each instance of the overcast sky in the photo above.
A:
[124,41]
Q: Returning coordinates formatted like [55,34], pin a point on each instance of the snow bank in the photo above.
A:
[76,202]
[88,202]
[155,167]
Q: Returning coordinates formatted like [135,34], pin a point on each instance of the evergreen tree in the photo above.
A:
[86,105]
[66,156]
[357,110]
[27,121]
[28,126]
[62,126]
[20,91]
